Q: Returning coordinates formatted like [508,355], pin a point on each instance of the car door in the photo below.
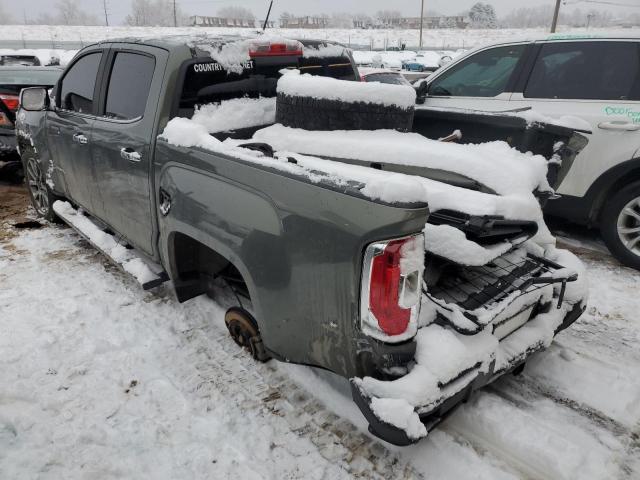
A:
[70,126]
[122,141]
[480,81]
[597,81]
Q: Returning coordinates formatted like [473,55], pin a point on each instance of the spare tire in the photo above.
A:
[311,113]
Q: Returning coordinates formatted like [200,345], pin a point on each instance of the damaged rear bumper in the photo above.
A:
[454,393]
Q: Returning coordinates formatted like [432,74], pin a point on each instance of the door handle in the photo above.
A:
[80,138]
[623,126]
[129,154]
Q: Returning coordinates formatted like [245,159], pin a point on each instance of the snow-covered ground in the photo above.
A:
[434,39]
[99,379]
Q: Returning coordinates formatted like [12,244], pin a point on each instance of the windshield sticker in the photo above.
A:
[632,114]
[216,67]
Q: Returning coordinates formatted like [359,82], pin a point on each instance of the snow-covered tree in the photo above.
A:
[483,15]
[239,13]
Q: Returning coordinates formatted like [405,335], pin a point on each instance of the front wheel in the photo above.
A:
[42,197]
[620,225]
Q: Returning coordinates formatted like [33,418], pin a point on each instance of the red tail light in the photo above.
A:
[11,101]
[391,288]
[268,49]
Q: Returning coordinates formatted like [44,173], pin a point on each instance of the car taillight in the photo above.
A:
[11,101]
[392,288]
[276,49]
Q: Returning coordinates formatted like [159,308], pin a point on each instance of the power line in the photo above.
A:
[602,2]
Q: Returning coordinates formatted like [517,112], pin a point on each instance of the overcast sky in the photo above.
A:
[120,8]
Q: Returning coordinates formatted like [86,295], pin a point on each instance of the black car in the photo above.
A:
[19,60]
[12,80]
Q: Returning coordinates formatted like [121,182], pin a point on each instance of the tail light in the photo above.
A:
[392,288]
[11,101]
[276,49]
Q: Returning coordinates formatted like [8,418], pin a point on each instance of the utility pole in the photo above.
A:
[175,17]
[554,24]
[422,22]
[106,17]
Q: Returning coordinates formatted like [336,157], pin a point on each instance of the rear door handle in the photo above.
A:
[129,154]
[80,138]
[623,126]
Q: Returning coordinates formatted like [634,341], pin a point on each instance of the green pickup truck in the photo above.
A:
[326,270]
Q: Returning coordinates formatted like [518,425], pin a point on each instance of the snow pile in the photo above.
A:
[451,243]
[305,85]
[399,412]
[503,169]
[236,113]
[129,261]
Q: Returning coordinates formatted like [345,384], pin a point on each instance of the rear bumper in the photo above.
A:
[432,415]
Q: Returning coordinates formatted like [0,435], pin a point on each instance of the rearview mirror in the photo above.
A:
[34,99]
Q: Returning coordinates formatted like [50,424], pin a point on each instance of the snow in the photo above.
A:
[305,85]
[569,121]
[501,168]
[450,242]
[323,51]
[106,242]
[236,113]
[399,412]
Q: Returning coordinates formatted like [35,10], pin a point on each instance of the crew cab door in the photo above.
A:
[122,145]
[70,127]
[481,81]
[597,81]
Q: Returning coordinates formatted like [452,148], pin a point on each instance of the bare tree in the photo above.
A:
[154,13]
[386,15]
[5,18]
[238,13]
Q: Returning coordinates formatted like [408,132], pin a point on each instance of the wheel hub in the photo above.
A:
[629,226]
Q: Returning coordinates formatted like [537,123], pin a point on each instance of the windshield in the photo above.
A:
[29,77]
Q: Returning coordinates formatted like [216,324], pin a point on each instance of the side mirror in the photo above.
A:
[445,60]
[422,89]
[34,99]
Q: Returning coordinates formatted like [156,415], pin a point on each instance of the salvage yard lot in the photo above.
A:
[99,379]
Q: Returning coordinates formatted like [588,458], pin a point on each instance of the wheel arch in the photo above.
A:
[609,182]
[193,262]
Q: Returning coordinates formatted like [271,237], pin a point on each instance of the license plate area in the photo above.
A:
[506,327]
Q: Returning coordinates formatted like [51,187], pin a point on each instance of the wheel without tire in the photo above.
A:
[620,225]
[244,330]
[42,197]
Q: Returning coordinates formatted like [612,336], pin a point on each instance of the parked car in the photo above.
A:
[19,60]
[389,61]
[12,80]
[425,61]
[594,78]
[327,269]
[383,76]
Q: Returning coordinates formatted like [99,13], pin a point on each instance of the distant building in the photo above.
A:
[456,21]
[202,21]
[304,22]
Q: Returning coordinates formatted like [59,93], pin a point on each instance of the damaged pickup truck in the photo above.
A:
[419,270]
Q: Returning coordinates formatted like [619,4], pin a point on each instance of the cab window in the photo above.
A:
[485,74]
[129,85]
[586,71]
[78,85]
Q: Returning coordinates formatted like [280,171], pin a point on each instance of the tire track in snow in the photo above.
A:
[224,367]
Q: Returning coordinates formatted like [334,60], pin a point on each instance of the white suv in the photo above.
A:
[594,78]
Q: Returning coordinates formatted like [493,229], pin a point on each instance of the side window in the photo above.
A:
[586,71]
[484,74]
[129,85]
[78,85]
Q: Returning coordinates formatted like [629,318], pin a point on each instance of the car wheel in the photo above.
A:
[620,225]
[42,197]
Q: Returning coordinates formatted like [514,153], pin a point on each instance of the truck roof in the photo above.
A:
[196,42]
